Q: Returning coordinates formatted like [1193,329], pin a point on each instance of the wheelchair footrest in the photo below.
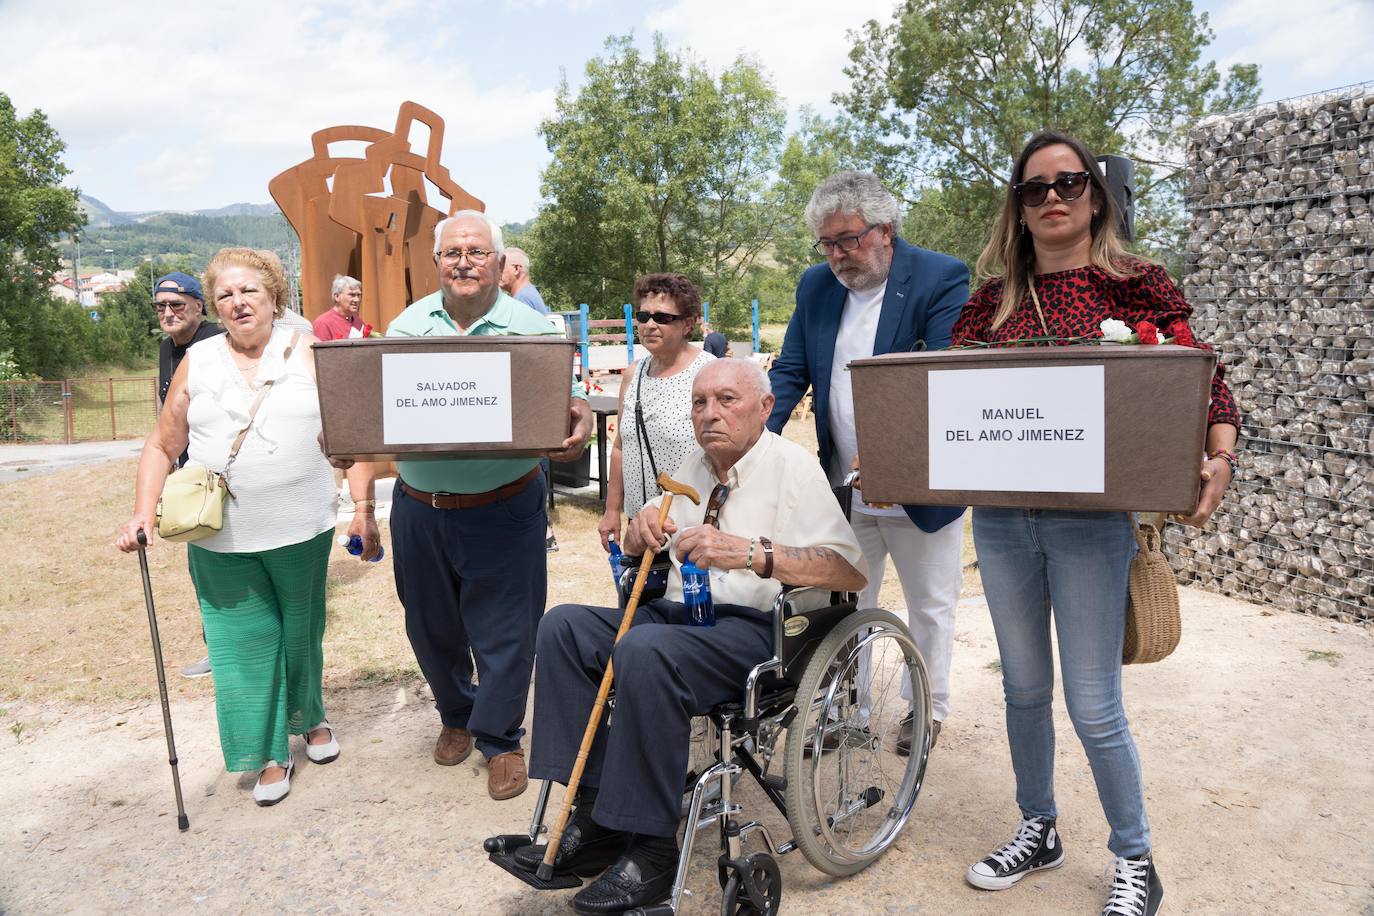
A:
[658,909]
[557,883]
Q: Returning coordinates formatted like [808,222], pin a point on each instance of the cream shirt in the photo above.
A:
[777,491]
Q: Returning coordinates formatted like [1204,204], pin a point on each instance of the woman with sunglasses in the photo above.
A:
[1059,269]
[655,429]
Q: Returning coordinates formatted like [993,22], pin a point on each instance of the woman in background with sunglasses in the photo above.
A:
[655,429]
[1063,270]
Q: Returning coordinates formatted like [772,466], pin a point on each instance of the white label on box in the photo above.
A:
[441,398]
[1039,430]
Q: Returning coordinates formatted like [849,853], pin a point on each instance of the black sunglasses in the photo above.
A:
[656,317]
[715,504]
[1069,186]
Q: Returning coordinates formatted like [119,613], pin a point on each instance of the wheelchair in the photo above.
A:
[825,710]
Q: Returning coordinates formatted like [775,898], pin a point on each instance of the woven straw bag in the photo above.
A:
[1153,622]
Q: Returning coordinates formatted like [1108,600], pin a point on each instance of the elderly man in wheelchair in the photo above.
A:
[798,660]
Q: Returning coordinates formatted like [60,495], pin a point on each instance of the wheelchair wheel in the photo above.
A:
[766,899]
[849,793]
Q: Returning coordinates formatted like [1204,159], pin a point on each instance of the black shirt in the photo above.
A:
[170,355]
[716,344]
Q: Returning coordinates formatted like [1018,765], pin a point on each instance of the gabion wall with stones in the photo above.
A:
[1280,271]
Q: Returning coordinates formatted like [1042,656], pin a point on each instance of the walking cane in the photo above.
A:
[669,486]
[182,822]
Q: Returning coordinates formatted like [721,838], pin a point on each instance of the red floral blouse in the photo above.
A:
[1077,301]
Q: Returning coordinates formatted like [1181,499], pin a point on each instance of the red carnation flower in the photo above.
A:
[367,329]
[1147,332]
[1182,334]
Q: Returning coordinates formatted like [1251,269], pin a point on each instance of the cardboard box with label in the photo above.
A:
[444,397]
[1084,427]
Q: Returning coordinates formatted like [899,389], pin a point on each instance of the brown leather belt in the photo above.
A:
[472,500]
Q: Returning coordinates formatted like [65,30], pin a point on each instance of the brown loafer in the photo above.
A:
[904,736]
[506,775]
[453,746]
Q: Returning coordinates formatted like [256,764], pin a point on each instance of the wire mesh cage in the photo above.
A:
[1280,271]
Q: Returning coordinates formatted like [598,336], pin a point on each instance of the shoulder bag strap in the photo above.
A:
[643,433]
[257,402]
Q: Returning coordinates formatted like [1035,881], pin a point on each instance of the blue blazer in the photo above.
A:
[925,292]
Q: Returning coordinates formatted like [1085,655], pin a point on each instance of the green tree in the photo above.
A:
[658,166]
[40,335]
[944,96]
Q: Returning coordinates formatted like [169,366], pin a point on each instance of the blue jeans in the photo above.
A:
[1077,563]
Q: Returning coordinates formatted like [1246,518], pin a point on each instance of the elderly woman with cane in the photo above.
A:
[261,578]
[655,432]
[1063,270]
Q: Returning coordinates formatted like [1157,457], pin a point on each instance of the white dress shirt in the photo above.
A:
[777,491]
[855,340]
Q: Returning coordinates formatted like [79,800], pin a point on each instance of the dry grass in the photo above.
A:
[73,617]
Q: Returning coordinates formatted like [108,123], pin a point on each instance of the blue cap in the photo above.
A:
[179,282]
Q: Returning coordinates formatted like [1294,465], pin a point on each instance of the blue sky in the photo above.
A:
[203,109]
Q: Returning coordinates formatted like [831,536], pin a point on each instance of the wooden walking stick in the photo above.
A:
[669,486]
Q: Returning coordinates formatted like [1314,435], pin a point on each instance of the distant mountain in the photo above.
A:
[242,210]
[99,214]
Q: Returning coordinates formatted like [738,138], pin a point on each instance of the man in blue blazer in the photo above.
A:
[876,294]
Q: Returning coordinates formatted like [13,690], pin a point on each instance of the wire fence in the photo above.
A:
[77,410]
[1280,268]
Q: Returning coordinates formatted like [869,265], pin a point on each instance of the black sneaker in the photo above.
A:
[1136,888]
[1036,846]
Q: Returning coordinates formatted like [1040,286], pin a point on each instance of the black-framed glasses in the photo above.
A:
[714,504]
[474,255]
[656,317]
[1069,186]
[824,247]
[176,308]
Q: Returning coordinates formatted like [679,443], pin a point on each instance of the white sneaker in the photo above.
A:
[266,795]
[322,753]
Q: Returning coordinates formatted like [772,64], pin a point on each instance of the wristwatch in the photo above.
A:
[767,571]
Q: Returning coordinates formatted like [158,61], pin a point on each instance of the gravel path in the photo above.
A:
[1256,738]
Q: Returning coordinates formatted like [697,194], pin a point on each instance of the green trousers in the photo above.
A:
[264,625]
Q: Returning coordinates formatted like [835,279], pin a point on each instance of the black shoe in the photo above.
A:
[625,885]
[1036,846]
[1136,888]
[585,851]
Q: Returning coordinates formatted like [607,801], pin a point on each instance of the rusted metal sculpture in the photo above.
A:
[351,222]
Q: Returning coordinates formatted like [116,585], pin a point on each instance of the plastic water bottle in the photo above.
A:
[696,595]
[616,567]
[354,545]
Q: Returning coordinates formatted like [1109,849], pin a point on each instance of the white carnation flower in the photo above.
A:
[1116,331]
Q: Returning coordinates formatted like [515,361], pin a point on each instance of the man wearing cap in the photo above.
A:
[467,534]
[180,306]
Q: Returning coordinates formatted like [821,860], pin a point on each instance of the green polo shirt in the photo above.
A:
[427,318]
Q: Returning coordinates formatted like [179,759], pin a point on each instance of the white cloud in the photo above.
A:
[803,43]
[1317,42]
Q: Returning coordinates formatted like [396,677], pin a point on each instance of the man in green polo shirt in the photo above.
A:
[468,534]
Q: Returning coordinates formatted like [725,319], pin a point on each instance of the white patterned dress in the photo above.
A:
[666,403]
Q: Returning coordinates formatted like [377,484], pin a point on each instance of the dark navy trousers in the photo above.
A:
[665,673]
[473,583]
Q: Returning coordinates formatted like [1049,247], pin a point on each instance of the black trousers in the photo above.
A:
[473,582]
[665,673]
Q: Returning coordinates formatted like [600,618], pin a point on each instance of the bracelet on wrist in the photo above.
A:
[369,503]
[749,560]
[1228,456]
